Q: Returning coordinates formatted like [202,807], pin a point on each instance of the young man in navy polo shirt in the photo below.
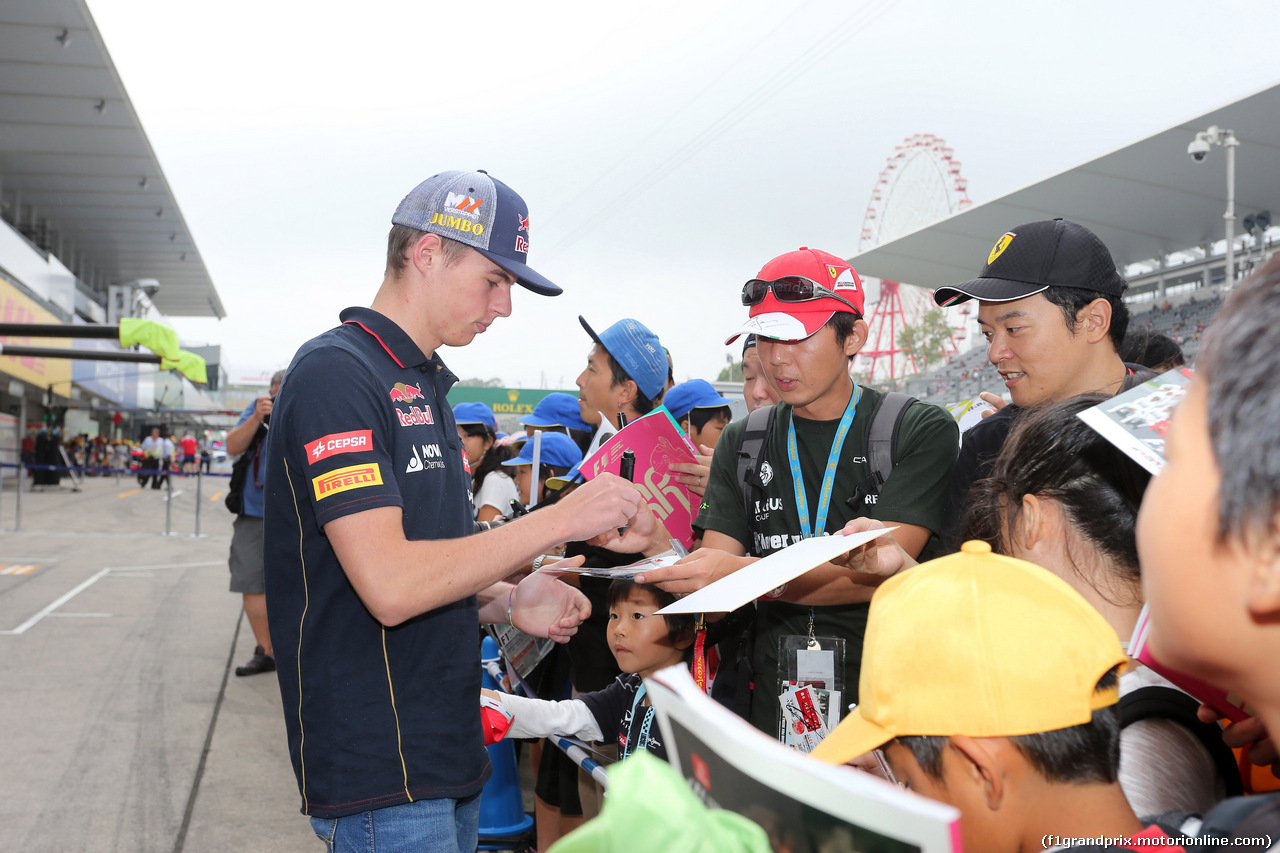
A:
[375,585]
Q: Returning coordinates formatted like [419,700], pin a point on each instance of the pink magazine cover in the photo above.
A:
[1230,706]
[657,442]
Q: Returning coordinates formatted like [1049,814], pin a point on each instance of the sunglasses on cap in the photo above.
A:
[790,288]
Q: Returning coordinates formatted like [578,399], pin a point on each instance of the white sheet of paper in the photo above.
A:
[816,666]
[769,573]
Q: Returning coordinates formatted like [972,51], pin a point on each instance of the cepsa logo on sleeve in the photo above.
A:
[346,479]
[339,442]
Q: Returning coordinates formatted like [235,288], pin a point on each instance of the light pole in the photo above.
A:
[1199,149]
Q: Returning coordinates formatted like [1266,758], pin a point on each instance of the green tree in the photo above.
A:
[926,342]
[731,373]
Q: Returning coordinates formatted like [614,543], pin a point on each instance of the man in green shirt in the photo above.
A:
[806,311]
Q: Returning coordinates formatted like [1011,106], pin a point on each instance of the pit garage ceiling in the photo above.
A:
[73,150]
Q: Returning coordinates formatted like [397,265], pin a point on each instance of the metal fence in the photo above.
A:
[77,473]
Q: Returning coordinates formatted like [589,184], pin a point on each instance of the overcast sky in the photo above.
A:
[666,149]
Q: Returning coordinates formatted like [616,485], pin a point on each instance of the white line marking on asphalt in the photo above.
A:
[167,566]
[48,610]
[21,629]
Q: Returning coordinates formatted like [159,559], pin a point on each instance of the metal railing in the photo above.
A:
[22,468]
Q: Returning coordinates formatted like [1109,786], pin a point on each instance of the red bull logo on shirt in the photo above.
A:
[402,393]
[415,416]
[345,479]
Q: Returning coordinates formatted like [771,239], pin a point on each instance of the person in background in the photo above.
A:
[557,455]
[626,372]
[703,414]
[1063,497]
[491,487]
[642,642]
[246,558]
[756,390]
[152,452]
[1152,349]
[806,312]
[1051,306]
[1209,532]
[558,411]
[1004,709]
[190,461]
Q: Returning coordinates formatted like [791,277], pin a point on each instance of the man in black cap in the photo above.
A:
[1052,310]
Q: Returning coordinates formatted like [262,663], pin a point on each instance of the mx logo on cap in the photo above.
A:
[1000,246]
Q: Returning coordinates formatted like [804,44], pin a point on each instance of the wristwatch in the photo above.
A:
[537,561]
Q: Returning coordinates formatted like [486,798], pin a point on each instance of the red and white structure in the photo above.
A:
[919,184]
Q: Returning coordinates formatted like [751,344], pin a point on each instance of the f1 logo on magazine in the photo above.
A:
[339,442]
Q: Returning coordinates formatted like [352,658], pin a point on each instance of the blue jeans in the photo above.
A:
[427,826]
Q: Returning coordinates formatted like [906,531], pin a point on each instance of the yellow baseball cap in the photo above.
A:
[976,644]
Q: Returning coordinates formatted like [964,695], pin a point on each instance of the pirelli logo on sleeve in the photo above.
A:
[346,479]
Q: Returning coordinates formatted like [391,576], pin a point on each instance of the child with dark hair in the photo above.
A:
[756,390]
[1209,529]
[1063,497]
[558,453]
[477,427]
[1152,349]
[642,643]
[990,684]
[703,414]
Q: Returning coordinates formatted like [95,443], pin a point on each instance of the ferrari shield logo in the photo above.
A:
[1000,246]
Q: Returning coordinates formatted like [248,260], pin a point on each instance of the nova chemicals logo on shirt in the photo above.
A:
[339,442]
[345,479]
[430,458]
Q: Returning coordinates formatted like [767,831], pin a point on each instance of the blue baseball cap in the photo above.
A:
[558,483]
[477,211]
[694,394]
[558,409]
[639,352]
[557,449]
[475,413]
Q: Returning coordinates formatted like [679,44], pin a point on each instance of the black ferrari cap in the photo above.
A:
[1036,256]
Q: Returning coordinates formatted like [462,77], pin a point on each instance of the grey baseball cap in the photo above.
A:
[478,211]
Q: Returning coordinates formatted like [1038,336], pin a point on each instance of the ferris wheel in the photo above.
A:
[919,184]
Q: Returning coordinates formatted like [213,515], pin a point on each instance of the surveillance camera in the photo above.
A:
[1198,149]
